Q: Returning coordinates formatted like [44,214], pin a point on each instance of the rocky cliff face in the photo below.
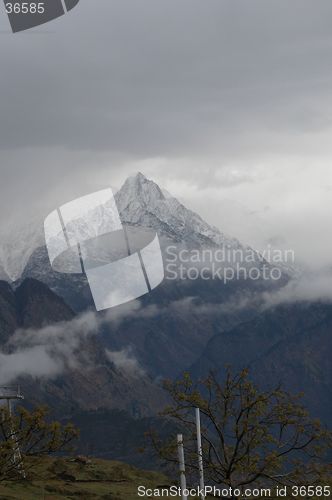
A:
[8,317]
[37,306]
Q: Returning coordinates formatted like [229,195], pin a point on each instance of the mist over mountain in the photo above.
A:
[141,203]
[3,275]
[17,243]
[173,323]
[86,363]
[59,359]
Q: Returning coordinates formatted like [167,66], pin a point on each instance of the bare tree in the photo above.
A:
[250,437]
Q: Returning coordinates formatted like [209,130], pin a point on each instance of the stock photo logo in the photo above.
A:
[26,14]
[121,262]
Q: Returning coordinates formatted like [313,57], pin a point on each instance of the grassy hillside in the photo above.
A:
[52,479]
[66,478]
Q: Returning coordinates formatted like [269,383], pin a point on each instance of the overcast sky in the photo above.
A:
[226,103]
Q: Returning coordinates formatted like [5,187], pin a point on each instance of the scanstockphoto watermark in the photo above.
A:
[198,492]
[227,264]
[320,491]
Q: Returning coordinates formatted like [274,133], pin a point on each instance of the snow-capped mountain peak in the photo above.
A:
[140,202]
[138,190]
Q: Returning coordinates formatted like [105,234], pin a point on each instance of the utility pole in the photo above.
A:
[9,394]
[200,452]
[182,467]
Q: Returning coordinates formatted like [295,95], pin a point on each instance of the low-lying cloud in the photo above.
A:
[125,361]
[35,361]
[52,350]
[45,352]
[309,287]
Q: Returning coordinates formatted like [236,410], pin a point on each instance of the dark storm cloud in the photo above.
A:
[216,93]
[167,77]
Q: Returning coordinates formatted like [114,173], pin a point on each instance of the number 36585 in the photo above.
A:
[25,8]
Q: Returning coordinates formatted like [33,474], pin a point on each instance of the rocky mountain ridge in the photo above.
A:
[140,202]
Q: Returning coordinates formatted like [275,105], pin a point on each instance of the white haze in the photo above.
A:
[48,352]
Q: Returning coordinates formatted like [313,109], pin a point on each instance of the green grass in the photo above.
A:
[52,479]
[65,478]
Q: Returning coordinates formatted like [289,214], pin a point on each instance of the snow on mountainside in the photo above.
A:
[140,202]
[3,275]
[17,243]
